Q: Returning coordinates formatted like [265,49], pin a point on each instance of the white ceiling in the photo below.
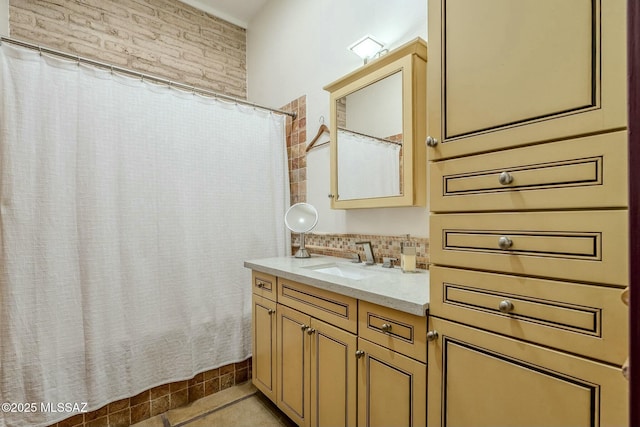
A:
[239,12]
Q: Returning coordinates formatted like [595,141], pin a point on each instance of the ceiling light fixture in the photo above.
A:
[366,47]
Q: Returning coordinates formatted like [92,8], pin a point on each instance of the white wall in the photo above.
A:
[4,18]
[376,110]
[295,48]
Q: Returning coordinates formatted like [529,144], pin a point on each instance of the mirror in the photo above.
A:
[369,140]
[301,218]
[378,126]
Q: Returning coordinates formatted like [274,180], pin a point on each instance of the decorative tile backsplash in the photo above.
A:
[344,245]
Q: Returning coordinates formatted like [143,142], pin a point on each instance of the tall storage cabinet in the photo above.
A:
[528,224]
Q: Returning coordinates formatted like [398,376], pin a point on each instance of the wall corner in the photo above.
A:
[4,18]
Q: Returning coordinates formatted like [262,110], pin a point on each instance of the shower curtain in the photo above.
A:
[367,167]
[126,212]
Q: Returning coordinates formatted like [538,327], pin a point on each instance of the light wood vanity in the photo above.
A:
[327,358]
[528,224]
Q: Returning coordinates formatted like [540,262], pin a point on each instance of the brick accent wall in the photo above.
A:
[165,38]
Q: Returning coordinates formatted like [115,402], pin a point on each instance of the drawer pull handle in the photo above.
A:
[504,242]
[385,327]
[432,335]
[505,306]
[359,353]
[260,285]
[431,141]
[505,178]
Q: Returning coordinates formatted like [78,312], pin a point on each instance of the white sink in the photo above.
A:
[343,270]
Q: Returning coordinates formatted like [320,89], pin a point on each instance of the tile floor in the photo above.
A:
[239,406]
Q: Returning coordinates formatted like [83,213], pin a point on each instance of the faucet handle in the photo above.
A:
[387,262]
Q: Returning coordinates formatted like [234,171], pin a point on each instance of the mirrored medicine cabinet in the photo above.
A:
[378,127]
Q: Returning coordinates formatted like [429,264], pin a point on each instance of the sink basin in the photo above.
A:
[343,270]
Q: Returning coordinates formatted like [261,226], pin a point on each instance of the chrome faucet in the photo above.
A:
[368,252]
[355,257]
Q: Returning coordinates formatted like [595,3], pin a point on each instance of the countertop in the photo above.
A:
[408,292]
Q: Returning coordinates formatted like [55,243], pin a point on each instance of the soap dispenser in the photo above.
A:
[408,256]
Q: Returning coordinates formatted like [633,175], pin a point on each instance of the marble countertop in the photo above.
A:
[408,292]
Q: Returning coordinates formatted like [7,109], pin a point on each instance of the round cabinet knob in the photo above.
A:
[304,327]
[310,331]
[432,335]
[330,196]
[359,353]
[504,242]
[505,306]
[385,327]
[431,142]
[271,311]
[505,178]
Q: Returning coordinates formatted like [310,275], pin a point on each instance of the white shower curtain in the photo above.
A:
[367,167]
[127,210]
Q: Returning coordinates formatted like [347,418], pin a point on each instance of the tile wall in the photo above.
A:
[296,148]
[158,400]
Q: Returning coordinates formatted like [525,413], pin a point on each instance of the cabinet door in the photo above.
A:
[264,346]
[293,365]
[482,379]
[391,388]
[508,73]
[333,376]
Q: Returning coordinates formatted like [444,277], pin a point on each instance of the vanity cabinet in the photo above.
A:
[316,358]
[392,370]
[377,132]
[264,334]
[327,359]
[528,176]
[316,371]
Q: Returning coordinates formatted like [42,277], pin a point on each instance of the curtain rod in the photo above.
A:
[388,141]
[143,76]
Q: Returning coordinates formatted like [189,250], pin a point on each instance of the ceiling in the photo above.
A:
[239,12]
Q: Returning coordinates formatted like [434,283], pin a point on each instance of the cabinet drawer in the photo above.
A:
[338,310]
[402,332]
[588,246]
[264,285]
[588,172]
[583,319]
